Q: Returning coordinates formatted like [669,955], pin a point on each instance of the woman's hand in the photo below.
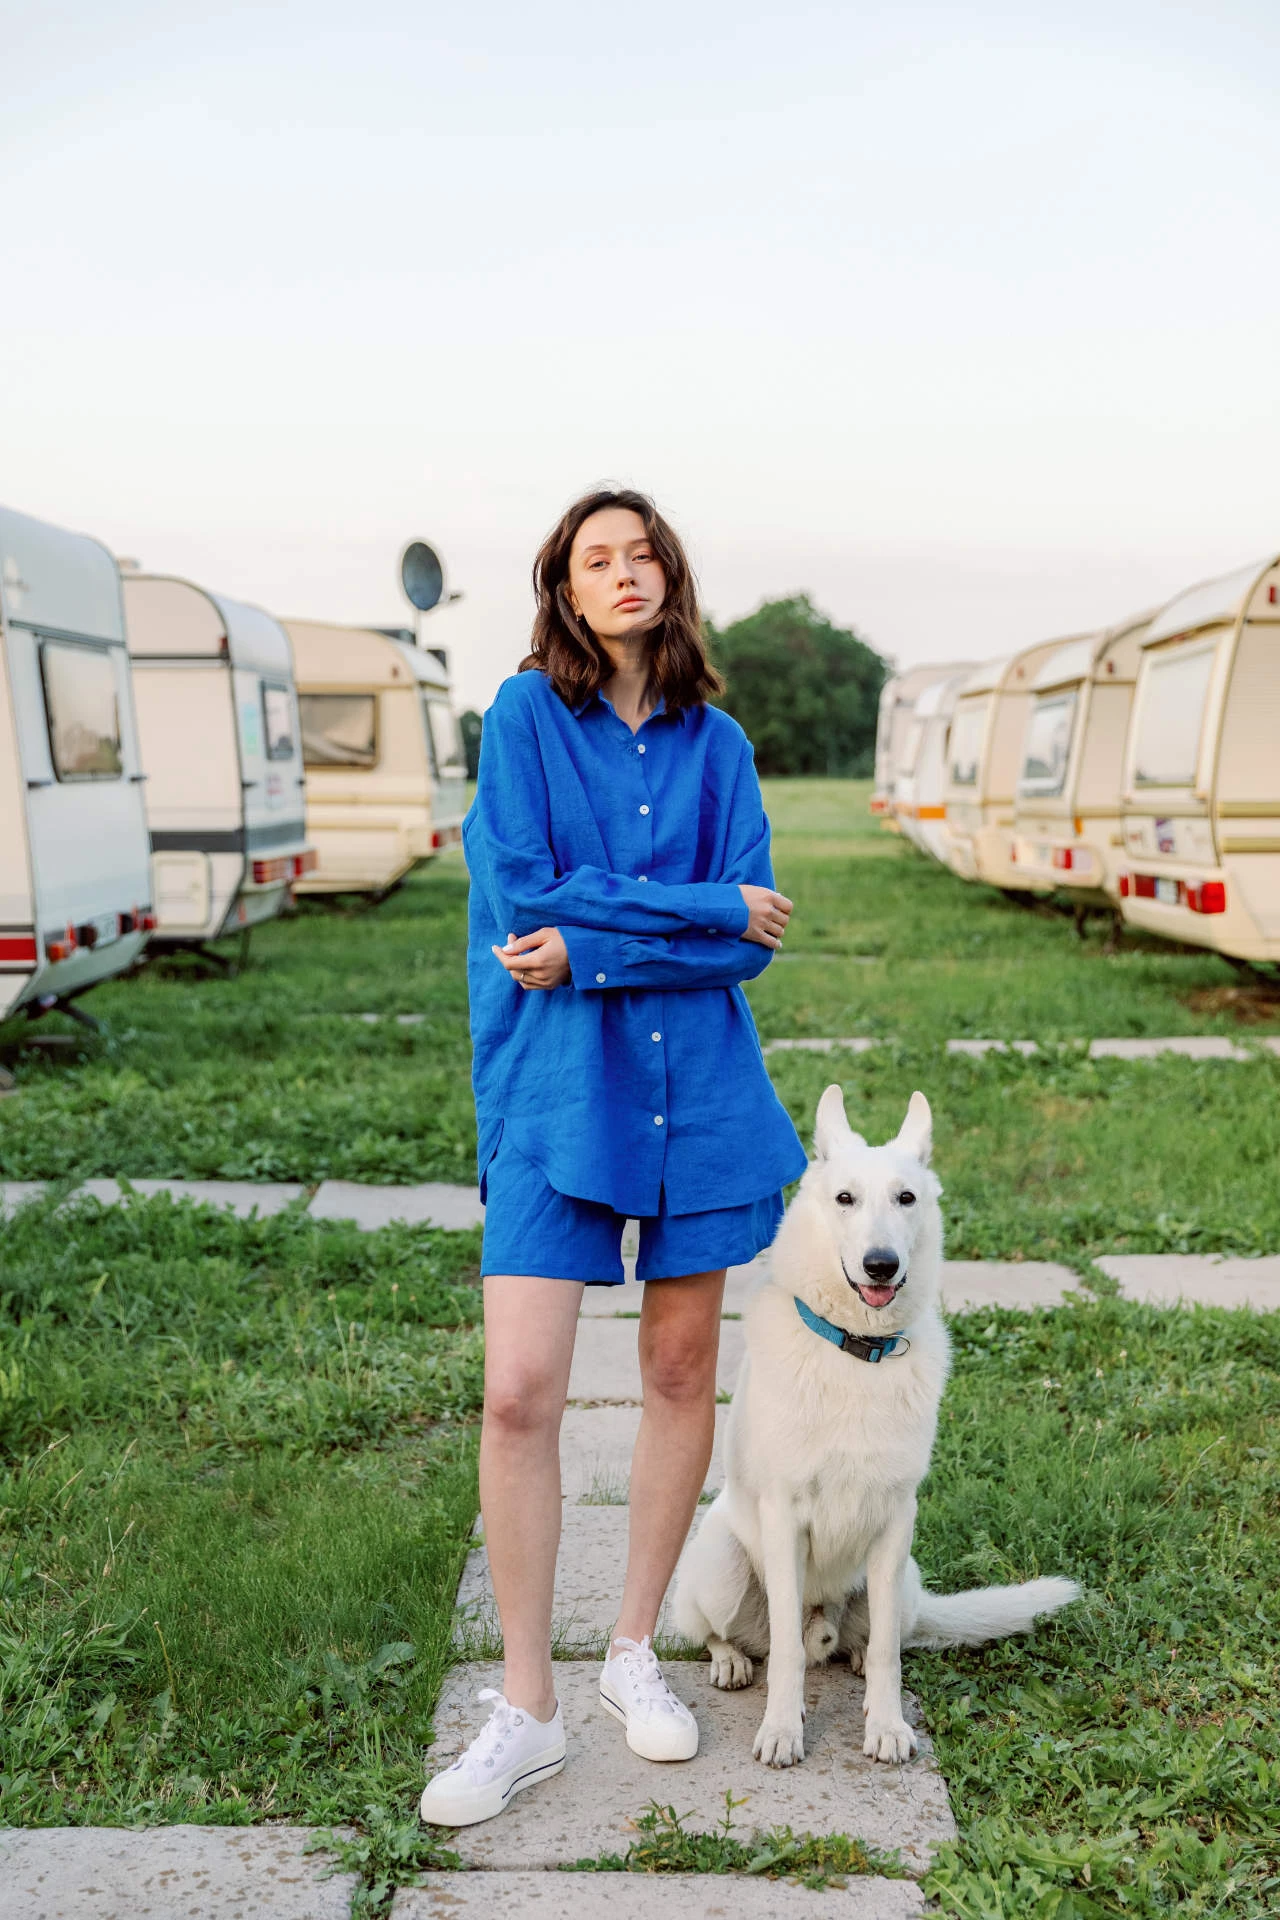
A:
[538,959]
[769,913]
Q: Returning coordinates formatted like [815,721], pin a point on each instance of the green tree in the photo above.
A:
[806,692]
[470,724]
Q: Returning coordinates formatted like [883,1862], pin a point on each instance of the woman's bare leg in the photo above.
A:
[679,1342]
[529,1328]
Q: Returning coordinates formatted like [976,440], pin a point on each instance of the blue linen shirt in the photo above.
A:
[643,1078]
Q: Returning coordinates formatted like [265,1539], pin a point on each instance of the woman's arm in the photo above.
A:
[508,845]
[602,962]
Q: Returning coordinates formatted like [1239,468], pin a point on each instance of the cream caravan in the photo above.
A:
[218,718]
[1201,799]
[984,753]
[1067,816]
[75,881]
[386,770]
[917,789]
[898,697]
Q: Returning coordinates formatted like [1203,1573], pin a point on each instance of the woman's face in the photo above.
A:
[616,581]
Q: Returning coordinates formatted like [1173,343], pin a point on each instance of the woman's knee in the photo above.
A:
[679,1372]
[522,1401]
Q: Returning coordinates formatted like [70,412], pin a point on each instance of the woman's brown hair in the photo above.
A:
[563,645]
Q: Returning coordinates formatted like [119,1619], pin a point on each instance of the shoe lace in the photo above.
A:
[482,1756]
[640,1663]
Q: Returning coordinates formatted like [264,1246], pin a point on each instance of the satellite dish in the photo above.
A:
[422,575]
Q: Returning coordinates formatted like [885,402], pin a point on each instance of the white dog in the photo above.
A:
[808,1548]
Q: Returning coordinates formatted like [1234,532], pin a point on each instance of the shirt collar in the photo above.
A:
[595,696]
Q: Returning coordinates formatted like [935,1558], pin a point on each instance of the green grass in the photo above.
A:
[238,1481]
[238,1457]
[664,1844]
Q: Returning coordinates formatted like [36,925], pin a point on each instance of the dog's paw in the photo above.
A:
[779,1746]
[731,1669]
[819,1639]
[890,1740]
[857,1659]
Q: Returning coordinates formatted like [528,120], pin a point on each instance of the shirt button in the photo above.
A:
[640,748]
[655,1036]
[600,979]
[644,876]
[657,1119]
[644,809]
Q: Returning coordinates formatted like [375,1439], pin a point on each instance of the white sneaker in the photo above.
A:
[512,1751]
[632,1689]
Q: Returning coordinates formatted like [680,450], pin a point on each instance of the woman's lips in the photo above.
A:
[620,606]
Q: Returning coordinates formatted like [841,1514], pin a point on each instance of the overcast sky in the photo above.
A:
[963,319]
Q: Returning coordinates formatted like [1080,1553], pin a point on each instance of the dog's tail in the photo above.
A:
[986,1613]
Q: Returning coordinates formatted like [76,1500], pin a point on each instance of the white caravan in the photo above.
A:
[984,754]
[1201,799]
[75,879]
[922,773]
[221,743]
[898,697]
[1067,818]
[386,770]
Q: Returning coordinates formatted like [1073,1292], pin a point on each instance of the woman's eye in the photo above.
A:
[906,1199]
[844,1199]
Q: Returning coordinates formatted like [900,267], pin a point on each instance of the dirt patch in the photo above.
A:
[1250,1006]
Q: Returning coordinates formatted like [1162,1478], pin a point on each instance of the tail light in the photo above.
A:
[18,950]
[267,872]
[878,806]
[1209,897]
[1144,886]
[1062,859]
[61,946]
[305,862]
[1126,886]
[146,921]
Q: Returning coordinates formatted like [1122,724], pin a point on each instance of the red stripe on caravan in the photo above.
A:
[18,950]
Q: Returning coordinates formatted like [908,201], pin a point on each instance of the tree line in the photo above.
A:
[805,692]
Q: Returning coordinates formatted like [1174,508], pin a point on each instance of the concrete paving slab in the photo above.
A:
[1183,1279]
[647,1896]
[588,1809]
[1192,1046]
[979,1047]
[243,1197]
[970,1284]
[606,1367]
[596,1444]
[167,1873]
[15,1193]
[606,1303]
[859,1044]
[593,1556]
[435,1203]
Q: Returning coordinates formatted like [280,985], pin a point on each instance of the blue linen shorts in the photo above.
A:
[531,1228]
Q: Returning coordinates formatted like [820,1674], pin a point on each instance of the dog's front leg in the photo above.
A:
[888,1737]
[784,1546]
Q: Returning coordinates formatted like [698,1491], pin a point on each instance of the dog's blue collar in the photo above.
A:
[858,1344]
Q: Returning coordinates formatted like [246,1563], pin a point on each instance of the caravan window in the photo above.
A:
[339,729]
[1048,743]
[446,739]
[968,731]
[83,711]
[277,716]
[1167,746]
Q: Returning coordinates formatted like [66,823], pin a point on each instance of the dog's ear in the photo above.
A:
[916,1131]
[832,1126]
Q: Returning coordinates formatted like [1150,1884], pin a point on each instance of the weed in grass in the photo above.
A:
[665,1845]
[391,1852]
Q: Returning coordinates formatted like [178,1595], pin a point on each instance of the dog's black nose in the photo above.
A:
[880,1265]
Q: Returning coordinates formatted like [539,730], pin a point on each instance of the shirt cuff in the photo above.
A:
[719,907]
[593,958]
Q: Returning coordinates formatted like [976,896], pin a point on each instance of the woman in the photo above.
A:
[621,892]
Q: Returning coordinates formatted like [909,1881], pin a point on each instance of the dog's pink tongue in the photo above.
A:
[877,1296]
